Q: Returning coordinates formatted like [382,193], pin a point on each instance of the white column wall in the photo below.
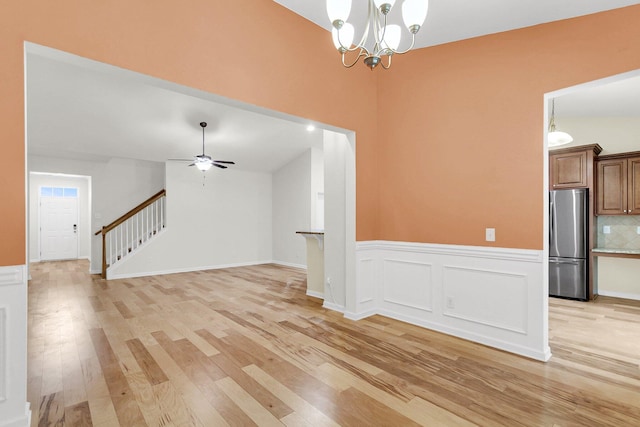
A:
[339,211]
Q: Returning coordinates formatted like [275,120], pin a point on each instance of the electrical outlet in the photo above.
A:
[606,229]
[490,234]
[450,303]
[328,280]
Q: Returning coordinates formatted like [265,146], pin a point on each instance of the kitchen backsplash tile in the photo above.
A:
[623,232]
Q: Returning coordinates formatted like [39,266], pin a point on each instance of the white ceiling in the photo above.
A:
[78,108]
[84,110]
[452,20]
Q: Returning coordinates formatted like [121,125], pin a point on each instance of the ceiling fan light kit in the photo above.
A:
[204,162]
[386,38]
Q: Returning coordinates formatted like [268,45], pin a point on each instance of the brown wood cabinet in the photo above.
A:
[572,167]
[618,184]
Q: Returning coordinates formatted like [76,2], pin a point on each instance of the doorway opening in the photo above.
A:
[113,169]
[59,216]
[605,112]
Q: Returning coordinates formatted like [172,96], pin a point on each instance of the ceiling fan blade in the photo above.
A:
[224,161]
[220,166]
[192,164]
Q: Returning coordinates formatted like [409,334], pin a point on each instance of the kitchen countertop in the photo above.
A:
[621,253]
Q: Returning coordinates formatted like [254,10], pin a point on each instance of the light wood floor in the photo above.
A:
[246,346]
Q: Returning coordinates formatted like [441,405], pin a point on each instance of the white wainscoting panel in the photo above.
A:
[494,296]
[466,291]
[3,354]
[14,409]
[408,284]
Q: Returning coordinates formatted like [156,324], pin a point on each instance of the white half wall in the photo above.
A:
[292,210]
[83,184]
[225,222]
[494,296]
[117,186]
[14,409]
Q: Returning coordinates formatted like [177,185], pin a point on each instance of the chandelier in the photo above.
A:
[386,37]
[555,137]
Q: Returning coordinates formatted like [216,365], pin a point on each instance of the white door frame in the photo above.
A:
[77,220]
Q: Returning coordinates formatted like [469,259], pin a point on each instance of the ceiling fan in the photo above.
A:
[204,162]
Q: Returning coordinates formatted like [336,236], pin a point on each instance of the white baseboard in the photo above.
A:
[315,294]
[623,295]
[333,306]
[493,296]
[289,264]
[185,270]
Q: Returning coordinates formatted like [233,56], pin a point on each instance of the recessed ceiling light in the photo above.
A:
[311,128]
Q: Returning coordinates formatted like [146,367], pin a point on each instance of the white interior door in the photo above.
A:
[58,223]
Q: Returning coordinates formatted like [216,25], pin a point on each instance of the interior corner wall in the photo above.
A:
[292,210]
[213,220]
[117,186]
[461,127]
[84,211]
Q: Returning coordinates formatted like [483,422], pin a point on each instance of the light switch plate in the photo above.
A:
[638,230]
[490,235]
[606,229]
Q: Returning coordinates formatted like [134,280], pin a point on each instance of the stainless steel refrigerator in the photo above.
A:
[568,243]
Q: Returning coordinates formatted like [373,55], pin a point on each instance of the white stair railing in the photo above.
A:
[133,229]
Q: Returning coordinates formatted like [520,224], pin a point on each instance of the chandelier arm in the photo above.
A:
[386,67]
[413,42]
[361,54]
[348,49]
[365,35]
[380,38]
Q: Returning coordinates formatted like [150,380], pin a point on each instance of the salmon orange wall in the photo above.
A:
[461,127]
[250,50]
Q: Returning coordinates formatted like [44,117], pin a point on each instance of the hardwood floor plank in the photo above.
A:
[151,369]
[51,410]
[78,415]
[247,346]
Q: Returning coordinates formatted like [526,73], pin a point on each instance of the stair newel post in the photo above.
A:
[104,254]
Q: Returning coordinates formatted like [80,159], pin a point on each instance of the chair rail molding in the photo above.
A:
[493,296]
[14,409]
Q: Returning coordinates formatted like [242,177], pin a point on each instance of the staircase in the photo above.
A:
[126,234]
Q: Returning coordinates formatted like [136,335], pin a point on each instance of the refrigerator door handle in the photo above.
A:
[558,261]
[551,222]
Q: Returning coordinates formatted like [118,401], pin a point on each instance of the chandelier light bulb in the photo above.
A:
[392,37]
[338,11]
[414,13]
[343,38]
